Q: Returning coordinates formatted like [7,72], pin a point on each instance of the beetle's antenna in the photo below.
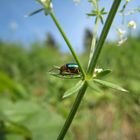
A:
[54,68]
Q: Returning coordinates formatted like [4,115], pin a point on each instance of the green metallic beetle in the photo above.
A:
[69,69]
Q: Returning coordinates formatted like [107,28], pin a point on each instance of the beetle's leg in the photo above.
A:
[69,71]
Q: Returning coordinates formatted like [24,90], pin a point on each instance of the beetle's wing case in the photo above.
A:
[71,65]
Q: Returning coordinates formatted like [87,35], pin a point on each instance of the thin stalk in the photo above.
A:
[91,66]
[94,40]
[67,42]
[123,11]
[72,112]
[103,36]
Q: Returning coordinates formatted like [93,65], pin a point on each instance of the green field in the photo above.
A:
[31,105]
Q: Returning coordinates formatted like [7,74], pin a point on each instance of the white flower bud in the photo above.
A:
[98,70]
[51,5]
[43,1]
[132,24]
[47,4]
[121,32]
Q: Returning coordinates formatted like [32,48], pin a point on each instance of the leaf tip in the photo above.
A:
[124,90]
[64,97]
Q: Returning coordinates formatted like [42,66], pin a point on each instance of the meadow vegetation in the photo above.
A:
[31,105]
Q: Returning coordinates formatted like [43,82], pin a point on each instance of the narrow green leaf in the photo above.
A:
[109,85]
[96,19]
[73,90]
[91,14]
[103,73]
[101,18]
[104,13]
[66,75]
[34,12]
[102,10]
[94,86]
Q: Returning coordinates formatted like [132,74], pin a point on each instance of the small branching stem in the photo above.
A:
[94,39]
[67,42]
[103,36]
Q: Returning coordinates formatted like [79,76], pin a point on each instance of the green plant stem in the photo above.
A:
[94,40]
[68,43]
[72,112]
[103,36]
[91,66]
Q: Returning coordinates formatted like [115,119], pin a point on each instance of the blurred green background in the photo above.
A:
[30,99]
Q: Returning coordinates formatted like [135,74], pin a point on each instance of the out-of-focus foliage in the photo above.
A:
[31,105]
[87,39]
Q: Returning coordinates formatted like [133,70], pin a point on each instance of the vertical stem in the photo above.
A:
[103,36]
[68,43]
[72,112]
[91,66]
[93,40]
